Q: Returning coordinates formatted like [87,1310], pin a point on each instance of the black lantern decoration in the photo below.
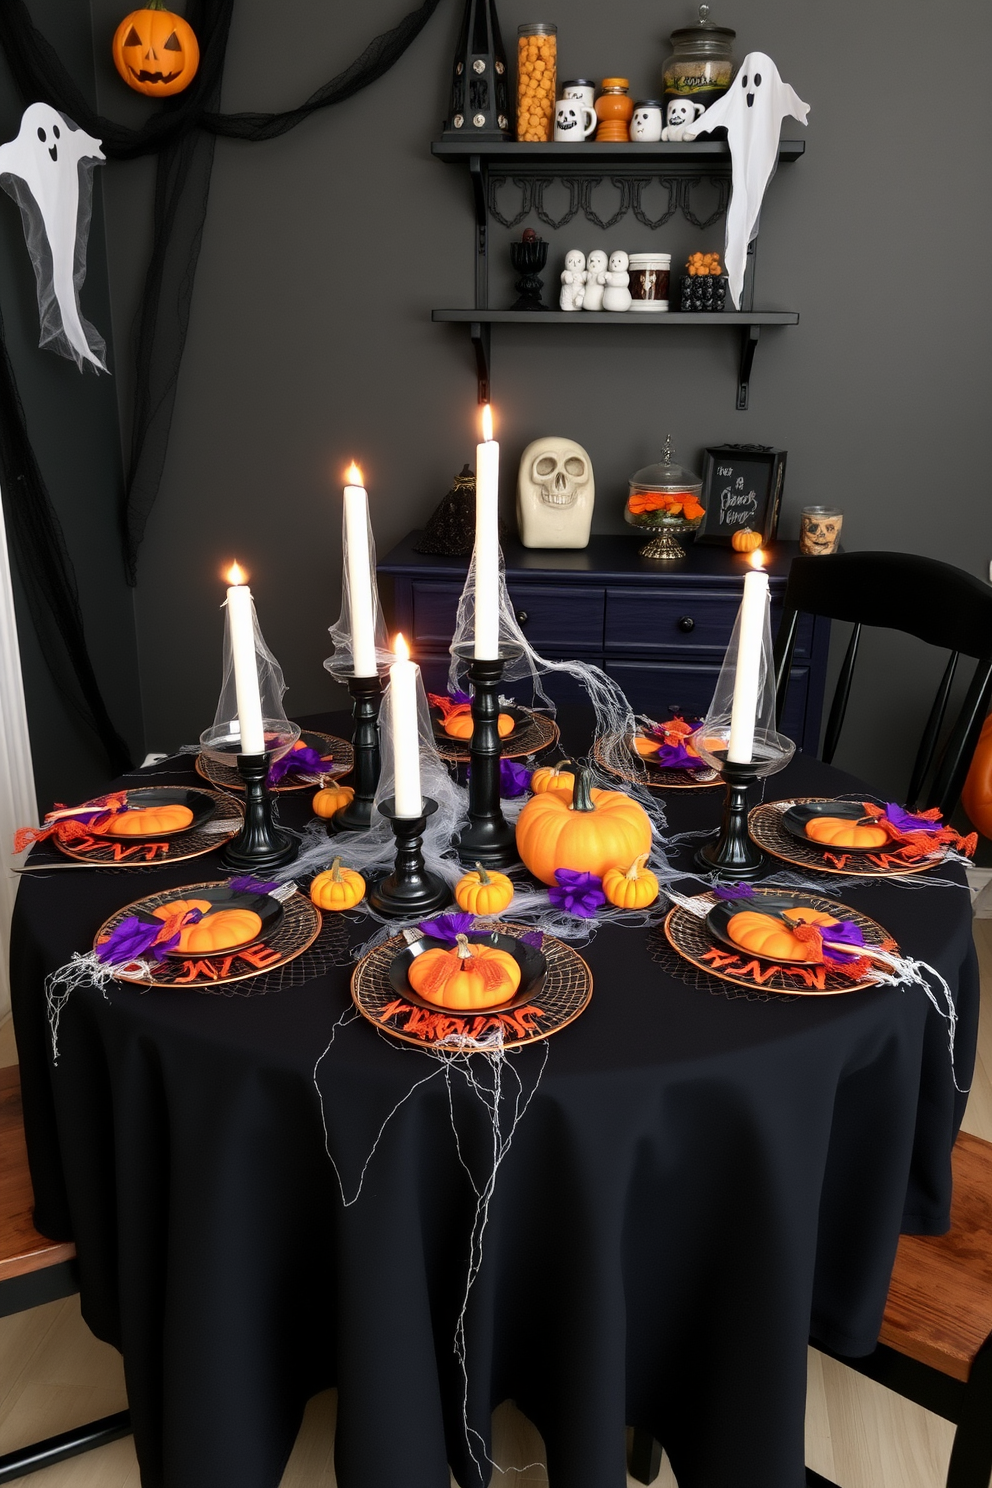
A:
[528,258]
[451,530]
[479,93]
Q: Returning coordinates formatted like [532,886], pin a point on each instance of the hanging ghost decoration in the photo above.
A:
[48,170]
[751,111]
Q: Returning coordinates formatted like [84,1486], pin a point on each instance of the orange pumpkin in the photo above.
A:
[460,725]
[582,829]
[181,907]
[155,51]
[767,936]
[646,747]
[337,887]
[635,889]
[838,831]
[976,798]
[469,977]
[144,821]
[745,541]
[219,930]
[552,777]
[332,798]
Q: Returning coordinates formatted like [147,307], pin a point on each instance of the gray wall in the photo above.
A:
[324,252]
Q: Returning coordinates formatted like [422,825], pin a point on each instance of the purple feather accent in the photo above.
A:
[135,937]
[848,933]
[580,894]
[904,821]
[305,761]
[460,697]
[532,938]
[514,779]
[733,891]
[677,757]
[248,885]
[447,927]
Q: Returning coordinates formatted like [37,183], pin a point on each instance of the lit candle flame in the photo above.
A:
[757,559]
[353,476]
[236,575]
[400,648]
[487,422]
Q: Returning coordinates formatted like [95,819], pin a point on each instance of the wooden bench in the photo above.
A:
[34,1270]
[935,1345]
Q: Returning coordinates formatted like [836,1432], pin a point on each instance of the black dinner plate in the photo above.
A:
[517,714]
[269,911]
[533,969]
[794,821]
[201,803]
[723,912]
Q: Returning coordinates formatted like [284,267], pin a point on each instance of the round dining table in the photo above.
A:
[639,1222]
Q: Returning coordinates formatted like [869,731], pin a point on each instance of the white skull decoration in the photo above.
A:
[555,494]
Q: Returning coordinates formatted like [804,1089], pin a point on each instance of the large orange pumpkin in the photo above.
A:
[143,821]
[583,829]
[976,798]
[470,976]
[155,51]
[767,936]
[838,831]
[219,930]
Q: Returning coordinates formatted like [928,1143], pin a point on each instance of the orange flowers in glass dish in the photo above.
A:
[684,504]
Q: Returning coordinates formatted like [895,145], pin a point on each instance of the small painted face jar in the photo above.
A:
[646,124]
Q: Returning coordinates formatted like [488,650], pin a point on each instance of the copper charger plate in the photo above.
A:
[340,749]
[691,938]
[766,829]
[564,995]
[654,777]
[294,932]
[533,734]
[117,852]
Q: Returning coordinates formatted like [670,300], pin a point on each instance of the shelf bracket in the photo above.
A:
[749,341]
[481,333]
[479,179]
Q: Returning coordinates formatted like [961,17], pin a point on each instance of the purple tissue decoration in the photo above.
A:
[447,927]
[677,757]
[848,933]
[514,779]
[733,891]
[532,938]
[248,885]
[580,894]
[460,697]
[904,821]
[305,761]
[133,938]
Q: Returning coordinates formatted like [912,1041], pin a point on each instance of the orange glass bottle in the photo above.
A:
[614,110]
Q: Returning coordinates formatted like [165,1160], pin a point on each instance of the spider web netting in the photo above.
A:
[731,687]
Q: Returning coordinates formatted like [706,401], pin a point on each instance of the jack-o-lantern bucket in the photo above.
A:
[155,51]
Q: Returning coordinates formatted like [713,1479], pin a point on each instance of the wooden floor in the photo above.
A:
[54,1374]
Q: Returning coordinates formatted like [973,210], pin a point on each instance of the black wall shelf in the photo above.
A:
[580,167]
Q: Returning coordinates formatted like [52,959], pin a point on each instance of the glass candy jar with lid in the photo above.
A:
[697,73]
[537,81]
[664,499]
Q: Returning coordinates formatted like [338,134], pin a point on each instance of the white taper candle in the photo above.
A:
[487,542]
[405,731]
[242,622]
[748,676]
[356,524]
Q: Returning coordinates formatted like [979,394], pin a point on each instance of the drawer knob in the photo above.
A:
[686,623]
[522,617]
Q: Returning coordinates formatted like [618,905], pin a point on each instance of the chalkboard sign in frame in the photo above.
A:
[742,487]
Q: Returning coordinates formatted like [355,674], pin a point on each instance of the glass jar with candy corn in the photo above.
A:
[537,78]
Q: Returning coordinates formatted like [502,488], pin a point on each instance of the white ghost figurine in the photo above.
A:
[617,295]
[592,298]
[751,111]
[573,279]
[48,170]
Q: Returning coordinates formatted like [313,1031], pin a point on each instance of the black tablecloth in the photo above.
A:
[697,1184]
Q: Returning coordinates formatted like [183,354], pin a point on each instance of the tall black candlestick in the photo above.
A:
[259,846]
[357,815]
[410,891]
[489,838]
[734,853]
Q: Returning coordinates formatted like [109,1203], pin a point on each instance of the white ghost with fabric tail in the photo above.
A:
[48,170]
[751,111]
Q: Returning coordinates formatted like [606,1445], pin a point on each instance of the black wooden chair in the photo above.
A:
[935,1346]
[34,1270]
[933,601]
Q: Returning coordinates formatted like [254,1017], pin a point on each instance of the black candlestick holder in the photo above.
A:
[259,846]
[410,891]
[357,815]
[489,838]
[733,853]
[528,259]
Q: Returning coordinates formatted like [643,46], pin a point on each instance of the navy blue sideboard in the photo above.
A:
[659,628]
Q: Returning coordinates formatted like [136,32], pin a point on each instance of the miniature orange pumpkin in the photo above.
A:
[582,829]
[470,976]
[767,936]
[552,777]
[836,831]
[143,820]
[219,930]
[155,51]
[745,541]
[337,887]
[635,889]
[483,892]
[332,798]
[646,747]
[181,907]
[460,725]
[976,798]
